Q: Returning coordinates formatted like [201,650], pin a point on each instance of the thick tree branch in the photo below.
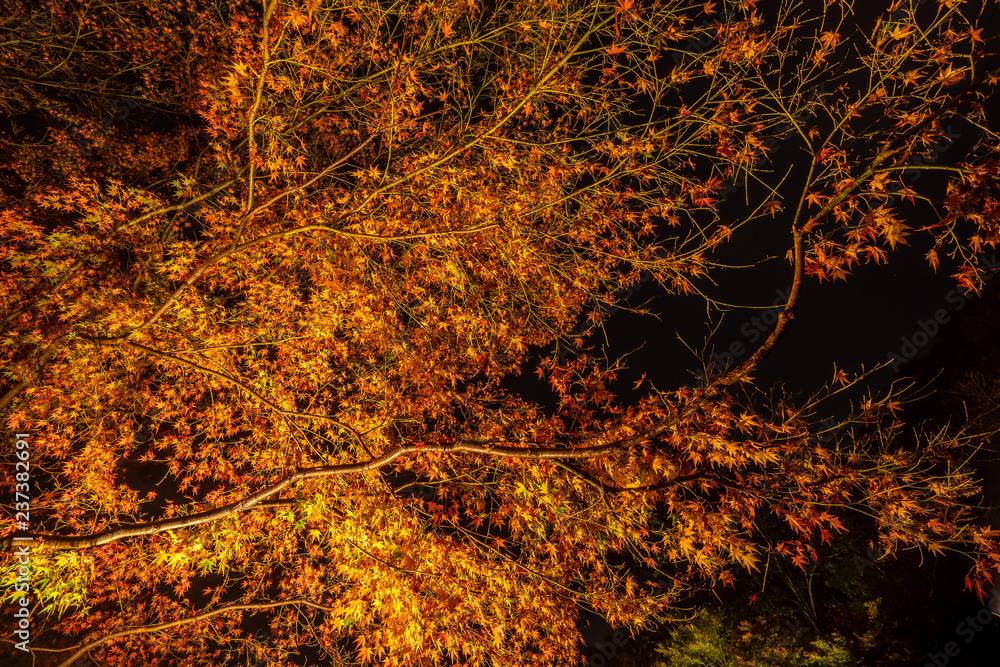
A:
[160,627]
[137,530]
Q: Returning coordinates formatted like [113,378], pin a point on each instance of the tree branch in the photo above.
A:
[74,542]
[160,627]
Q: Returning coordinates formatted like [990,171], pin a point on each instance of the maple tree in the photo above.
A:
[257,333]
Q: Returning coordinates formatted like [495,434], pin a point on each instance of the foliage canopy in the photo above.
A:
[256,321]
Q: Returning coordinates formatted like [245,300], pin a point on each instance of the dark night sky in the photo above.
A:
[853,324]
